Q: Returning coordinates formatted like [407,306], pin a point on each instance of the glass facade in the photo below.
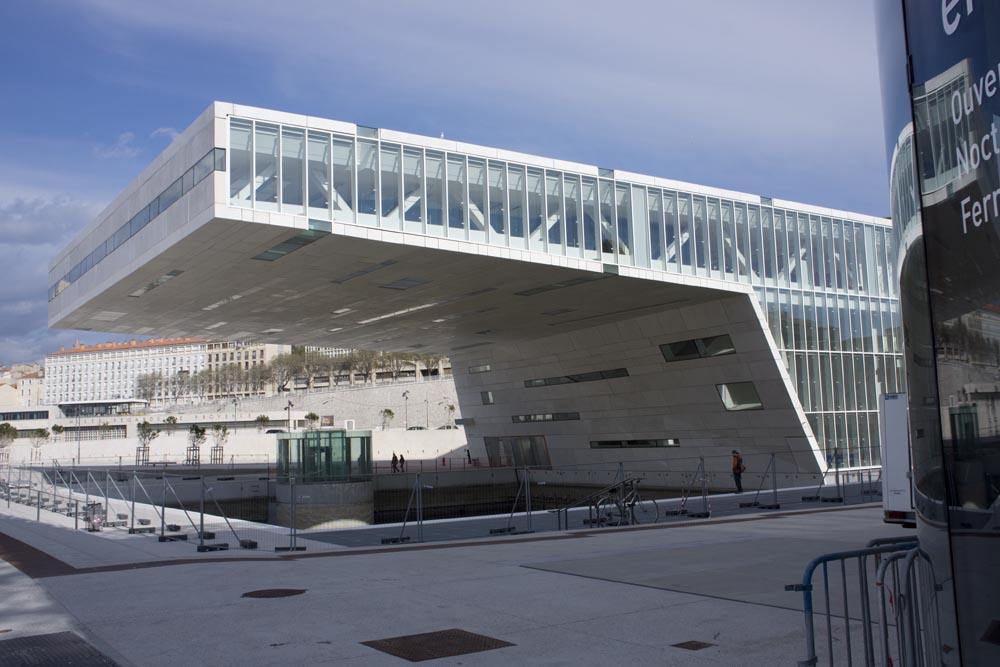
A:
[324,456]
[214,160]
[822,281]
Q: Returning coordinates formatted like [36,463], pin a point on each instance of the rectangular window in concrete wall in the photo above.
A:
[482,368]
[634,444]
[767,241]
[685,232]
[536,210]
[654,201]
[546,417]
[413,190]
[517,196]
[607,220]
[671,250]
[343,179]
[293,164]
[487,397]
[640,227]
[739,396]
[590,218]
[714,245]
[571,205]
[390,186]
[435,192]
[498,203]
[553,210]
[519,451]
[742,243]
[457,193]
[698,348]
[367,183]
[318,174]
[728,241]
[477,200]
[266,166]
[700,236]
[240,161]
[591,376]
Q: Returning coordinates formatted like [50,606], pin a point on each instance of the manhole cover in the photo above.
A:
[693,645]
[60,648]
[433,645]
[274,593]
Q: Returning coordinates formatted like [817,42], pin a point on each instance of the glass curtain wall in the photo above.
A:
[824,283]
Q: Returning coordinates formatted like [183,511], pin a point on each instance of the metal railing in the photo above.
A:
[853,629]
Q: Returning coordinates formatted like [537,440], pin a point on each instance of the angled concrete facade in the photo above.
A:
[591,315]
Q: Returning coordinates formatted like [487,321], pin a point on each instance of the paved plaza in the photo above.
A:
[582,597]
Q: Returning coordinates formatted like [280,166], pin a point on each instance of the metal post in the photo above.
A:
[201,511]
[527,495]
[131,493]
[420,509]
[163,505]
[107,476]
[38,506]
[774,479]
[76,515]
[836,472]
[291,525]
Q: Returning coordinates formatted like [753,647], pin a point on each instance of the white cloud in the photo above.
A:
[170,132]
[123,146]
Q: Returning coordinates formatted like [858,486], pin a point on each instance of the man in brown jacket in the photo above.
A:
[738,469]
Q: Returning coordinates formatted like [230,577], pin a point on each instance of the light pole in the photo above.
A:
[406,409]
[427,413]
[235,401]
[289,408]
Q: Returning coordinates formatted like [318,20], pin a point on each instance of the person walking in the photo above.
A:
[402,463]
[738,469]
[395,462]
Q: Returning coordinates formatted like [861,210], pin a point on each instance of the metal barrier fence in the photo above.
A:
[243,507]
[897,627]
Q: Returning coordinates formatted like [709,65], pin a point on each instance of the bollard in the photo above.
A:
[132,513]
[201,511]
[420,509]
[527,496]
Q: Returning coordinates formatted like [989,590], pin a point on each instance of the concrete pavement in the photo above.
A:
[595,597]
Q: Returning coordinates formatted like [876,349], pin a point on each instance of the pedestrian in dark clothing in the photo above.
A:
[468,455]
[738,469]
[402,463]
[395,462]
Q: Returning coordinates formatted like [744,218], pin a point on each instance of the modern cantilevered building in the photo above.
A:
[590,314]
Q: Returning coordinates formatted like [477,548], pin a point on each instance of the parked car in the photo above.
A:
[275,430]
[416,428]
[447,427]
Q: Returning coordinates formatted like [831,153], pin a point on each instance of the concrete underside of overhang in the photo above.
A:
[468,298]
[525,316]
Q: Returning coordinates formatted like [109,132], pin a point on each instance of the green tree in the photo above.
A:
[220,435]
[146,433]
[262,422]
[196,435]
[312,419]
[387,416]
[283,369]
[8,434]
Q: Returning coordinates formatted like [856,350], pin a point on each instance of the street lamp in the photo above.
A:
[427,413]
[289,408]
[406,409]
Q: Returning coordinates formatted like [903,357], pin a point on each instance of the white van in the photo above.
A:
[897,486]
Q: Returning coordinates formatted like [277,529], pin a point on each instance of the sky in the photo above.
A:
[772,97]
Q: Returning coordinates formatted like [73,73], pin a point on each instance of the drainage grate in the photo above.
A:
[693,645]
[60,648]
[274,593]
[433,645]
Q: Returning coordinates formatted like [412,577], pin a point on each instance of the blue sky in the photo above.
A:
[774,97]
